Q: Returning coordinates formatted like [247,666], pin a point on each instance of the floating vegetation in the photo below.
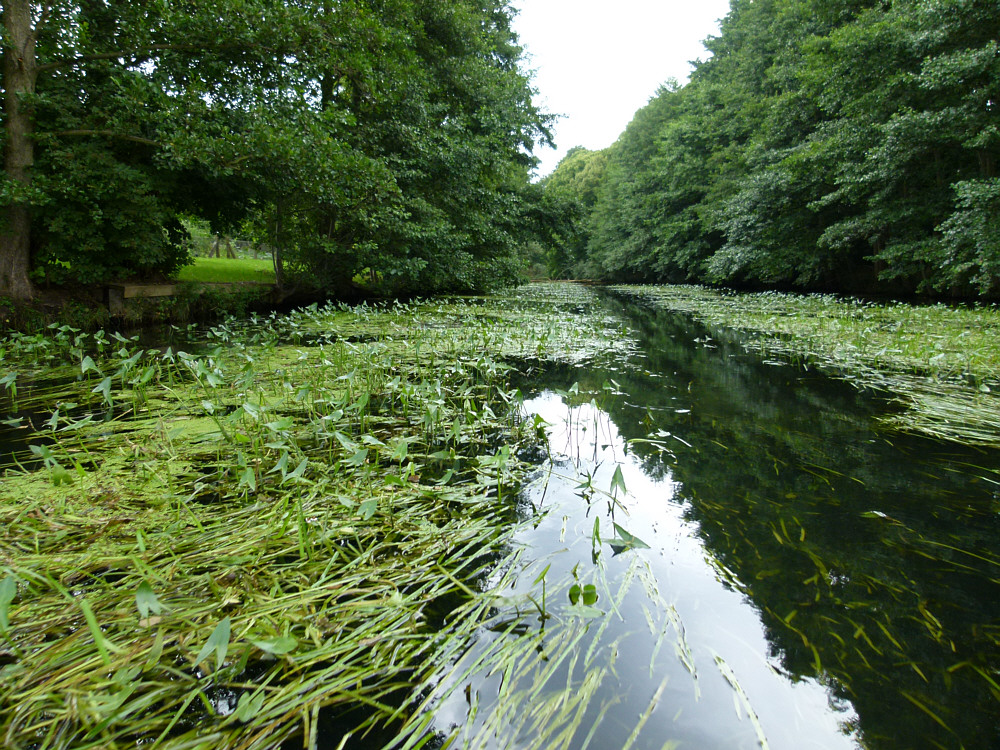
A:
[301,522]
[940,362]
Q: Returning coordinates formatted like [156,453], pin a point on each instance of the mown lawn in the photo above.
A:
[223,270]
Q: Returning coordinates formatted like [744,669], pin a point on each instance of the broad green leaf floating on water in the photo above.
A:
[8,590]
[218,642]
[585,594]
[283,644]
[146,601]
[249,705]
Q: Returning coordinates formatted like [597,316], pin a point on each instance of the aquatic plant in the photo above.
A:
[301,522]
[939,362]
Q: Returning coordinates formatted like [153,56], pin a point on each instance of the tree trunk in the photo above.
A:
[19,76]
[276,255]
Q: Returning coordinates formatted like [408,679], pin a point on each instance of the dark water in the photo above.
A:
[812,580]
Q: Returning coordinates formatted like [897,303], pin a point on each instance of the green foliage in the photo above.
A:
[785,162]
[390,140]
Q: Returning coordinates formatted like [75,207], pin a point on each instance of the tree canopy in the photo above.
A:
[385,137]
[845,145]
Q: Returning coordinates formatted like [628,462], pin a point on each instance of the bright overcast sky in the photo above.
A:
[597,62]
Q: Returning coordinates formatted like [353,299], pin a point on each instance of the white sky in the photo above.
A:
[598,61]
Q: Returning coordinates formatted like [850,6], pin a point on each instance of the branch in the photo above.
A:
[141,51]
[237,161]
[108,134]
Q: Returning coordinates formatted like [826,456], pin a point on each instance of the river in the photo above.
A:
[811,580]
[716,549]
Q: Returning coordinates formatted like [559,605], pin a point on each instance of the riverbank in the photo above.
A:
[940,362]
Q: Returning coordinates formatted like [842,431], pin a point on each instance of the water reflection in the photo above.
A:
[824,584]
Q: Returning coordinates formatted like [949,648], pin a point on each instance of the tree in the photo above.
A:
[784,162]
[94,86]
[390,138]
[20,74]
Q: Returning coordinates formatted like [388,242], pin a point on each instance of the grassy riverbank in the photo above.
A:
[294,524]
[228,270]
[941,363]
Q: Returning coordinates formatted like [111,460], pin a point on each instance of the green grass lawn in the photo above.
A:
[222,270]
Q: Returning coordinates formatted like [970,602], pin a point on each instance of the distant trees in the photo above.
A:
[836,144]
[385,137]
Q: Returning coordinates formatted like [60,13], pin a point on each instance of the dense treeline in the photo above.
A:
[384,139]
[826,144]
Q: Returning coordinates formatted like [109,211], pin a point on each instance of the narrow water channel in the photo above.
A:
[754,562]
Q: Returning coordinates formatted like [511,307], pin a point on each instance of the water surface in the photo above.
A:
[811,580]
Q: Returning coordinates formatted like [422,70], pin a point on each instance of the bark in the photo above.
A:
[19,76]
[276,254]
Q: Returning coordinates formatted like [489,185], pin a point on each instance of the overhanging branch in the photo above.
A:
[131,54]
[107,134]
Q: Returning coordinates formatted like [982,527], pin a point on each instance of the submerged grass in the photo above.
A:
[940,362]
[309,517]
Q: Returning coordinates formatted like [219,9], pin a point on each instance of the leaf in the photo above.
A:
[541,576]
[146,601]
[368,507]
[585,595]
[281,465]
[88,365]
[297,472]
[283,644]
[218,642]
[399,453]
[249,705]
[249,479]
[60,476]
[625,541]
[104,388]
[358,458]
[42,451]
[584,611]
[618,481]
[8,590]
[629,539]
